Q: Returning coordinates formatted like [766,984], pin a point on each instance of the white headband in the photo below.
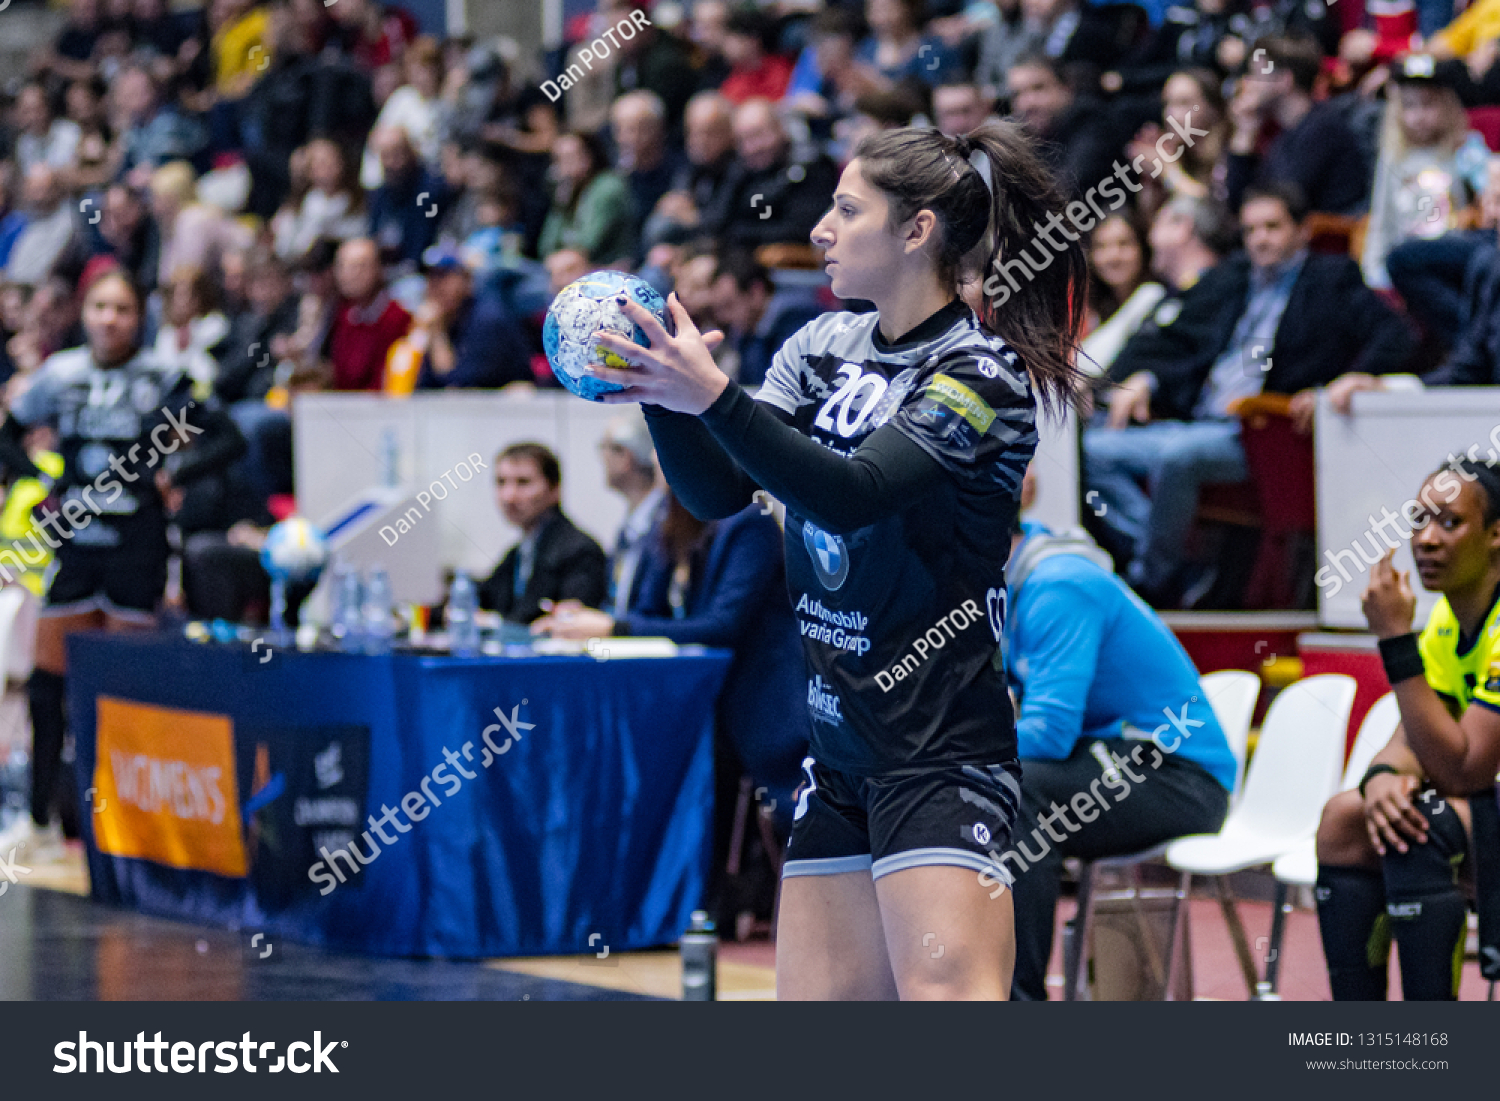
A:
[981,163]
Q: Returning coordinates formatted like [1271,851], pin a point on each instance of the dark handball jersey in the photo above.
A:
[116,428]
[901,620]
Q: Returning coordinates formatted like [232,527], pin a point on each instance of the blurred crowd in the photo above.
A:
[320,196]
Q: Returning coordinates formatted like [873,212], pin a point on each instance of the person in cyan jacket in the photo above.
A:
[1119,746]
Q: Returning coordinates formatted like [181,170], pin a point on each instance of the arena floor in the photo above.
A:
[58,945]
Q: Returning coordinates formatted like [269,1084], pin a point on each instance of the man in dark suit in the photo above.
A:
[1272,319]
[554,561]
[1079,140]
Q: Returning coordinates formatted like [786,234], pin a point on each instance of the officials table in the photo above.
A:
[219,780]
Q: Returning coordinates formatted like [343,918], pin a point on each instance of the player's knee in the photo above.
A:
[1430,868]
[1342,838]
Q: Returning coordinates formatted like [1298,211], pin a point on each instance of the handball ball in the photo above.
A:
[294,550]
[582,310]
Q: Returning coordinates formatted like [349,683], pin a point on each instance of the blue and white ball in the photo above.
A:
[582,310]
[294,550]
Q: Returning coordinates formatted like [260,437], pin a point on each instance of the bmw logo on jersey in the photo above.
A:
[830,557]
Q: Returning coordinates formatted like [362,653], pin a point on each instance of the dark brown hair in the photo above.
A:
[926,170]
[539,453]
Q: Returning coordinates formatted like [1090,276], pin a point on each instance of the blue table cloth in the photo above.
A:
[593,827]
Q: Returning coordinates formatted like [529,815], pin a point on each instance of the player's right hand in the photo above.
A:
[1391,817]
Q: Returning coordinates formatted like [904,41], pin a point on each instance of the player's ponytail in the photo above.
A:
[988,226]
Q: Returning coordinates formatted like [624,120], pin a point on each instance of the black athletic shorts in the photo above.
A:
[955,815]
[126,581]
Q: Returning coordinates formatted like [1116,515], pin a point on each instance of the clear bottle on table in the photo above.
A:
[346,607]
[463,623]
[378,609]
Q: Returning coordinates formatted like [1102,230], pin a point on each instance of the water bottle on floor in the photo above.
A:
[15,787]
[463,626]
[700,957]
[378,609]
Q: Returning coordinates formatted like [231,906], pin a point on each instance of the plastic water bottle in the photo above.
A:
[463,627]
[345,617]
[390,458]
[378,609]
[700,956]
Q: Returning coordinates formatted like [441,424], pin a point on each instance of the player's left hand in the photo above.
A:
[1388,601]
[675,372]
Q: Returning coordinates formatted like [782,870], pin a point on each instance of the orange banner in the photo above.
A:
[166,787]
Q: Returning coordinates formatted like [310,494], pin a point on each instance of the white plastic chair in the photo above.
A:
[1299,868]
[1295,770]
[1232,694]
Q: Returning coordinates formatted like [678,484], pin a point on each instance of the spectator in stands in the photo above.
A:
[630,470]
[959,108]
[372,34]
[71,55]
[1094,673]
[652,61]
[1079,142]
[193,234]
[127,233]
[591,208]
[795,188]
[756,319]
[565,266]
[192,324]
[719,584]
[896,48]
[1188,237]
[49,324]
[757,71]
[1193,105]
[1122,294]
[1003,40]
[1206,37]
[873,112]
[827,77]
[368,320]
[1170,420]
[331,209]
[250,358]
[1315,148]
[416,107]
[709,20]
[151,131]
[302,94]
[51,221]
[708,126]
[84,103]
[638,124]
[403,209]
[44,138]
[1440,279]
[1431,164]
[473,340]
[554,561]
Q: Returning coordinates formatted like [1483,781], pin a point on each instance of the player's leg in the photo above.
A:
[46,692]
[1350,894]
[938,836]
[1426,904]
[829,940]
[947,939]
